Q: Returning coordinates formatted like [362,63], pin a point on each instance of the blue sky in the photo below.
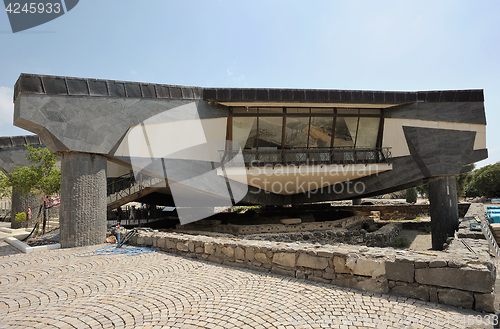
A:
[361,45]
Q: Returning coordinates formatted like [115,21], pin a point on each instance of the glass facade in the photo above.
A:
[269,128]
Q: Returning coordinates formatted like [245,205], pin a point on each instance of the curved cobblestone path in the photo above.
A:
[57,289]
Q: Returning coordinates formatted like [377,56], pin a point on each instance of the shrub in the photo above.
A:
[20,217]
[401,242]
[411,195]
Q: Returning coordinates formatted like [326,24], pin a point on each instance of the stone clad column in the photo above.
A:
[83,199]
[443,208]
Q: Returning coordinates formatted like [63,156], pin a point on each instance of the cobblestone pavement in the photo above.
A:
[58,289]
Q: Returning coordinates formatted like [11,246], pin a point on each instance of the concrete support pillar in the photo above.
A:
[443,208]
[82,215]
[19,205]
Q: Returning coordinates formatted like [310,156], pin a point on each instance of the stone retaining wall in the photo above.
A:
[353,222]
[458,279]
[392,212]
[379,238]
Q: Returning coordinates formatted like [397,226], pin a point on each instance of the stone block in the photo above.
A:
[228,251]
[456,298]
[325,253]
[299,274]
[199,250]
[411,290]
[239,253]
[148,240]
[485,303]
[421,264]
[456,263]
[209,248]
[329,276]
[345,280]
[281,271]
[171,244]
[433,295]
[398,271]
[289,221]
[437,263]
[463,278]
[373,285]
[191,246]
[215,259]
[269,254]
[284,258]
[339,265]
[318,279]
[182,246]
[140,239]
[314,262]
[366,267]
[162,243]
[249,253]
[261,257]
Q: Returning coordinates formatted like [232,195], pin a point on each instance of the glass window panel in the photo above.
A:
[245,131]
[369,111]
[296,110]
[296,132]
[270,130]
[237,110]
[347,111]
[322,110]
[270,110]
[345,131]
[320,132]
[367,132]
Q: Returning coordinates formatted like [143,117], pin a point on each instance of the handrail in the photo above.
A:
[297,157]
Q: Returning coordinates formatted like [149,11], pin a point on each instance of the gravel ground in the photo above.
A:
[42,240]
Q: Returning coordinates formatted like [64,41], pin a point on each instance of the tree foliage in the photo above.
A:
[5,189]
[40,177]
[463,181]
[485,181]
[411,195]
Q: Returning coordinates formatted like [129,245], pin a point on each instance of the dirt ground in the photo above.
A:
[419,240]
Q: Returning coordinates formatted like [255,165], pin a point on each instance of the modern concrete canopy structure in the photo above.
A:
[206,147]
[13,153]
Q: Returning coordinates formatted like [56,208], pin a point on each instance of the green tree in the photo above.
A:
[411,195]
[423,190]
[463,180]
[41,177]
[485,181]
[5,190]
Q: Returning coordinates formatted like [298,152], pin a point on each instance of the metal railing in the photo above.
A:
[298,157]
[123,186]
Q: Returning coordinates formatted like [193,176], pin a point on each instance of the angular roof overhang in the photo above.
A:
[56,85]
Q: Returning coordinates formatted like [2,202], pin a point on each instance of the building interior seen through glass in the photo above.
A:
[298,128]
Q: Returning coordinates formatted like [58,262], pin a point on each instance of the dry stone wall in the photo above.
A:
[393,212]
[459,279]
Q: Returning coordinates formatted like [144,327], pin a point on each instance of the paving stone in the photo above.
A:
[62,289]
